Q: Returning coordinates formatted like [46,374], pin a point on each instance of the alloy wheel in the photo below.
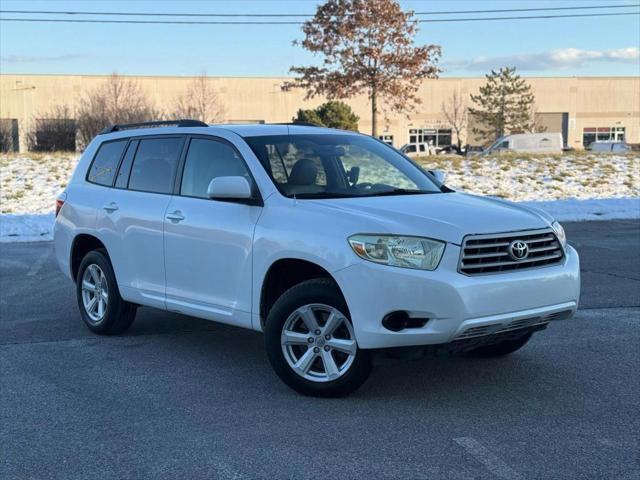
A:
[318,342]
[95,293]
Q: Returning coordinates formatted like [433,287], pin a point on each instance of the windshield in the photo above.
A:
[335,166]
[497,145]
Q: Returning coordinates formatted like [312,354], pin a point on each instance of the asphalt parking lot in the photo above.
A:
[181,397]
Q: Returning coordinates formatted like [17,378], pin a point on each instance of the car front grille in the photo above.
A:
[486,254]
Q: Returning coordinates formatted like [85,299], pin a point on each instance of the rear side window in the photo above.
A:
[105,163]
[154,166]
[125,167]
[206,160]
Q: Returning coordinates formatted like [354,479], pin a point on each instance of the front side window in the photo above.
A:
[206,160]
[410,149]
[105,163]
[335,166]
[155,164]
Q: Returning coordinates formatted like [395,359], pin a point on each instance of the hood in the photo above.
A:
[444,216]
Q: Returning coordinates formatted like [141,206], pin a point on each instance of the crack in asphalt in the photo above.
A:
[610,274]
[102,340]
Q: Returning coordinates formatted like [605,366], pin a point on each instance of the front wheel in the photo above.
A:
[311,343]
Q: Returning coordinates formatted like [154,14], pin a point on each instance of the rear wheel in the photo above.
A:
[502,348]
[101,307]
[311,343]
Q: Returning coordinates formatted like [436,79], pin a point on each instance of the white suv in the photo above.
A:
[332,243]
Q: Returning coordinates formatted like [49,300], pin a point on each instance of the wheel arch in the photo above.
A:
[285,273]
[82,244]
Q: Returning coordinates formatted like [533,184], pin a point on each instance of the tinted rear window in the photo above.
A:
[155,164]
[105,163]
[122,179]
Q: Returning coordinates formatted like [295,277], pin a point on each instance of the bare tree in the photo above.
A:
[536,124]
[456,113]
[117,100]
[367,46]
[53,130]
[200,102]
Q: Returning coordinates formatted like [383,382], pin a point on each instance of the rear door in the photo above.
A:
[208,243]
[132,216]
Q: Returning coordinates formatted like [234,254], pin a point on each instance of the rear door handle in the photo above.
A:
[111,207]
[176,216]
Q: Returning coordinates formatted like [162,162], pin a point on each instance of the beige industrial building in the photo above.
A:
[583,109]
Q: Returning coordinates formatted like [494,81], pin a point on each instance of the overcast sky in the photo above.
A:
[541,47]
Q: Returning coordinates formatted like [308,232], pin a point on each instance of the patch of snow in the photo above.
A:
[580,175]
[26,227]
[30,183]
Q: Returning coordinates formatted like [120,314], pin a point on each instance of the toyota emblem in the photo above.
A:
[518,250]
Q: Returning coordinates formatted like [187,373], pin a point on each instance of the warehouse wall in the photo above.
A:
[590,102]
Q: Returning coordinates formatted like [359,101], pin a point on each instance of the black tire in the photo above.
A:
[119,314]
[500,349]
[316,291]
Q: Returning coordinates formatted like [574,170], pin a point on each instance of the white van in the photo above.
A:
[528,142]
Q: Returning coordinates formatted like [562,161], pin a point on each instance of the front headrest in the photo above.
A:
[304,172]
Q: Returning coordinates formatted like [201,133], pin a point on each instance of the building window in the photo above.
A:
[9,140]
[437,137]
[387,139]
[602,134]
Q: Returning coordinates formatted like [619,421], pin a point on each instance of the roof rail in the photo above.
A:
[299,124]
[163,123]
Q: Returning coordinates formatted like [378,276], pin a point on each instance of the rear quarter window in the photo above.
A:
[104,165]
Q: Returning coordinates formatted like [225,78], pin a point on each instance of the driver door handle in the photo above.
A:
[176,216]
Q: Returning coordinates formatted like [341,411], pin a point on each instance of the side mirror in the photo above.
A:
[229,188]
[439,174]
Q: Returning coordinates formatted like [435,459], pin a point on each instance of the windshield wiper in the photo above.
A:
[382,193]
[320,195]
[399,191]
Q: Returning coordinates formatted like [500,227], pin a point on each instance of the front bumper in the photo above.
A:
[458,306]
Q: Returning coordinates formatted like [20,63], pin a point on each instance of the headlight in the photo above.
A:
[407,252]
[557,228]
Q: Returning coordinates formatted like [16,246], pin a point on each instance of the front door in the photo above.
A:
[208,243]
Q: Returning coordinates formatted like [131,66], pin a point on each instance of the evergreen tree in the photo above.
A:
[333,114]
[505,104]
